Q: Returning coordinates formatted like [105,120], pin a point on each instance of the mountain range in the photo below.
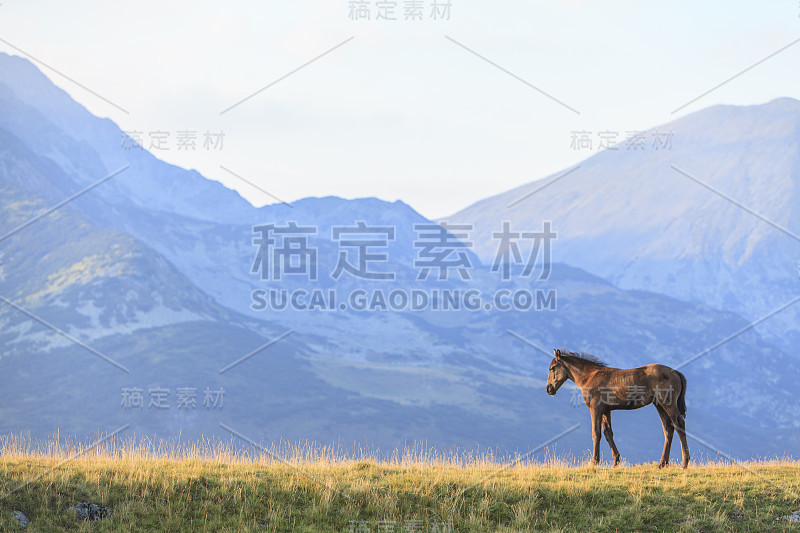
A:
[714,217]
[141,288]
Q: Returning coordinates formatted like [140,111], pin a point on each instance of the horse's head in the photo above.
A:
[558,374]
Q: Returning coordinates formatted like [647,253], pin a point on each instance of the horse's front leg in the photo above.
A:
[609,433]
[597,420]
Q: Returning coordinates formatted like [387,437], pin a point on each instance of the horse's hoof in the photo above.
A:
[662,464]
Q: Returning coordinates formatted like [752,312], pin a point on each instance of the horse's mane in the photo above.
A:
[583,356]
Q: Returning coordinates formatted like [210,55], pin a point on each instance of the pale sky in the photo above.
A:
[400,111]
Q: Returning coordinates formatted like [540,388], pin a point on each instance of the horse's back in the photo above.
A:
[656,370]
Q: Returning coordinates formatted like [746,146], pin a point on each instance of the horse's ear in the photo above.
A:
[557,352]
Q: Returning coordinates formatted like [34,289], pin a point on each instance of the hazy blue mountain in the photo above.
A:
[628,216]
[153,268]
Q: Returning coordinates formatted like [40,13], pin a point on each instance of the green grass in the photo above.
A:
[215,488]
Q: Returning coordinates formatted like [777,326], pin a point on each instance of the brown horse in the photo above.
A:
[606,389]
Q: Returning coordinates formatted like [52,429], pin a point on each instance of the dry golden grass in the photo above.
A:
[217,487]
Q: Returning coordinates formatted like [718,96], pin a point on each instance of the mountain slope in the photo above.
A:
[649,219]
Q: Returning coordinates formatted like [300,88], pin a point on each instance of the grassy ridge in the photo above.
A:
[219,489]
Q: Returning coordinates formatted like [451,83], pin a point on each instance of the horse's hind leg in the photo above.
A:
[607,431]
[680,425]
[669,430]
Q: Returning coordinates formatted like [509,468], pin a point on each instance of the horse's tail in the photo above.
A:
[682,395]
